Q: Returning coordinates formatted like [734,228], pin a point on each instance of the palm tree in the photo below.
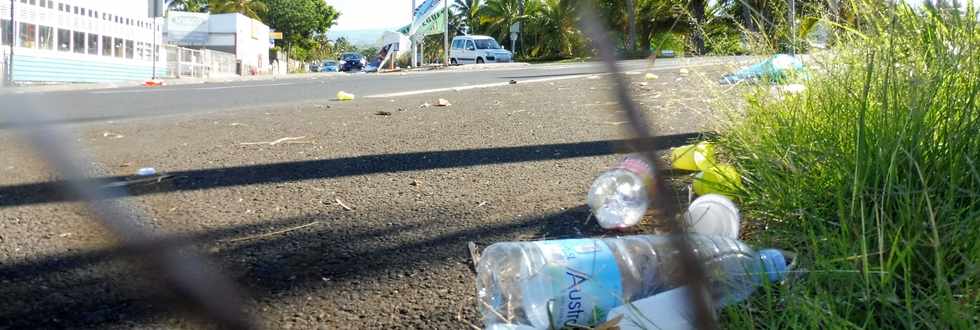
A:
[189,5]
[499,15]
[551,28]
[469,12]
[250,8]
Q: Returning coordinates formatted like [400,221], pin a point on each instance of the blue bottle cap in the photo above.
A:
[774,264]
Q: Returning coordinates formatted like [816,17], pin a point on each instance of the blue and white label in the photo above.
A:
[585,281]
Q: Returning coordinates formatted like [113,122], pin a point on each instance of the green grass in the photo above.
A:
[873,176]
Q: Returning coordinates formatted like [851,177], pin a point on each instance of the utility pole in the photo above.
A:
[445,54]
[10,55]
[792,22]
[411,31]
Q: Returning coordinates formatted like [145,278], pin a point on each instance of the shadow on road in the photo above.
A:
[48,192]
[96,289]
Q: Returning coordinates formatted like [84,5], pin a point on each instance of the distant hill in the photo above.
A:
[359,37]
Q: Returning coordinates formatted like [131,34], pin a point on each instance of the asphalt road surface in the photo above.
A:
[119,103]
[360,221]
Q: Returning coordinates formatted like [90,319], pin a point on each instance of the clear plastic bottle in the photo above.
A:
[578,281]
[619,196]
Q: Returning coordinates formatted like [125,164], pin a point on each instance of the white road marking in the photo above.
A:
[184,89]
[505,83]
[240,86]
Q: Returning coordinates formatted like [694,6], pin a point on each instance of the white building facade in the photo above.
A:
[247,38]
[79,40]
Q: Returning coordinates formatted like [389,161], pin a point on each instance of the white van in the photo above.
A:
[477,49]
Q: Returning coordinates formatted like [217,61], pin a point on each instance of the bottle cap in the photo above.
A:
[774,264]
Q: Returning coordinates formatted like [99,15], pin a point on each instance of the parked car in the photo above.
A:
[352,61]
[330,66]
[666,53]
[477,49]
[314,67]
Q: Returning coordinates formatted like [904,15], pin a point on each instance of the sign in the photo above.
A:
[156,8]
[515,28]
[429,19]
[275,35]
[184,28]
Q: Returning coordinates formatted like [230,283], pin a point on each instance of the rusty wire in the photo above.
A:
[662,198]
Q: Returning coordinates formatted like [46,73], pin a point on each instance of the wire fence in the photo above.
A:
[217,298]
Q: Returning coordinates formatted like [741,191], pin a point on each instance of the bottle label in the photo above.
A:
[585,281]
[639,167]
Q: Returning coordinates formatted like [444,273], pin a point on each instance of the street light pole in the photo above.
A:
[10,55]
[445,59]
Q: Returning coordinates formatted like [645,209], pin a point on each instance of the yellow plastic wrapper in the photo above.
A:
[693,157]
[651,76]
[719,179]
[344,96]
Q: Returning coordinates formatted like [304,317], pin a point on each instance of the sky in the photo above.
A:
[372,14]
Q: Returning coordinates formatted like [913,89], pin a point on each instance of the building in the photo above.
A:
[78,40]
[247,38]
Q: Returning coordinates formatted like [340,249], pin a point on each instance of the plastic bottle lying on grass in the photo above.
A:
[619,197]
[775,68]
[562,283]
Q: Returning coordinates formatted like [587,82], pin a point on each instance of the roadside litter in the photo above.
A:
[443,103]
[344,96]
[578,282]
[713,214]
[714,177]
[153,83]
[112,135]
[146,171]
[651,76]
[288,140]
[383,113]
[619,196]
[776,68]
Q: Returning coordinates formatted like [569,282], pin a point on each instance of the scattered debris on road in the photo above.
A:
[383,113]
[278,232]
[651,76]
[474,254]
[344,96]
[443,103]
[112,135]
[146,171]
[322,106]
[513,82]
[341,203]
[282,140]
[684,71]
[425,105]
[593,77]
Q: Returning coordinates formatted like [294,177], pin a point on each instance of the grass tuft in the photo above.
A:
[873,176]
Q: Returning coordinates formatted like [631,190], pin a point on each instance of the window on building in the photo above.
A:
[139,50]
[33,2]
[130,52]
[50,4]
[27,36]
[64,40]
[106,46]
[119,47]
[61,7]
[79,42]
[76,10]
[45,36]
[6,32]
[93,44]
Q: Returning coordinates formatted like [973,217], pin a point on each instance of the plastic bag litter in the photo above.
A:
[775,68]
[651,76]
[344,96]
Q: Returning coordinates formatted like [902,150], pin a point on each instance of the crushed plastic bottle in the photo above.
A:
[776,68]
[619,197]
[344,96]
[561,283]
[713,214]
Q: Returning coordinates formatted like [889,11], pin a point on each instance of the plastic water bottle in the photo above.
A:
[579,281]
[619,196]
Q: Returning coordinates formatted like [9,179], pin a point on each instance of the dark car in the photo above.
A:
[352,61]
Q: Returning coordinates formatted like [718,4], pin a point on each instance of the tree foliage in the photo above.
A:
[250,8]
[304,23]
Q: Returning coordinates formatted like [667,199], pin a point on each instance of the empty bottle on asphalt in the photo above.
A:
[619,196]
[579,281]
